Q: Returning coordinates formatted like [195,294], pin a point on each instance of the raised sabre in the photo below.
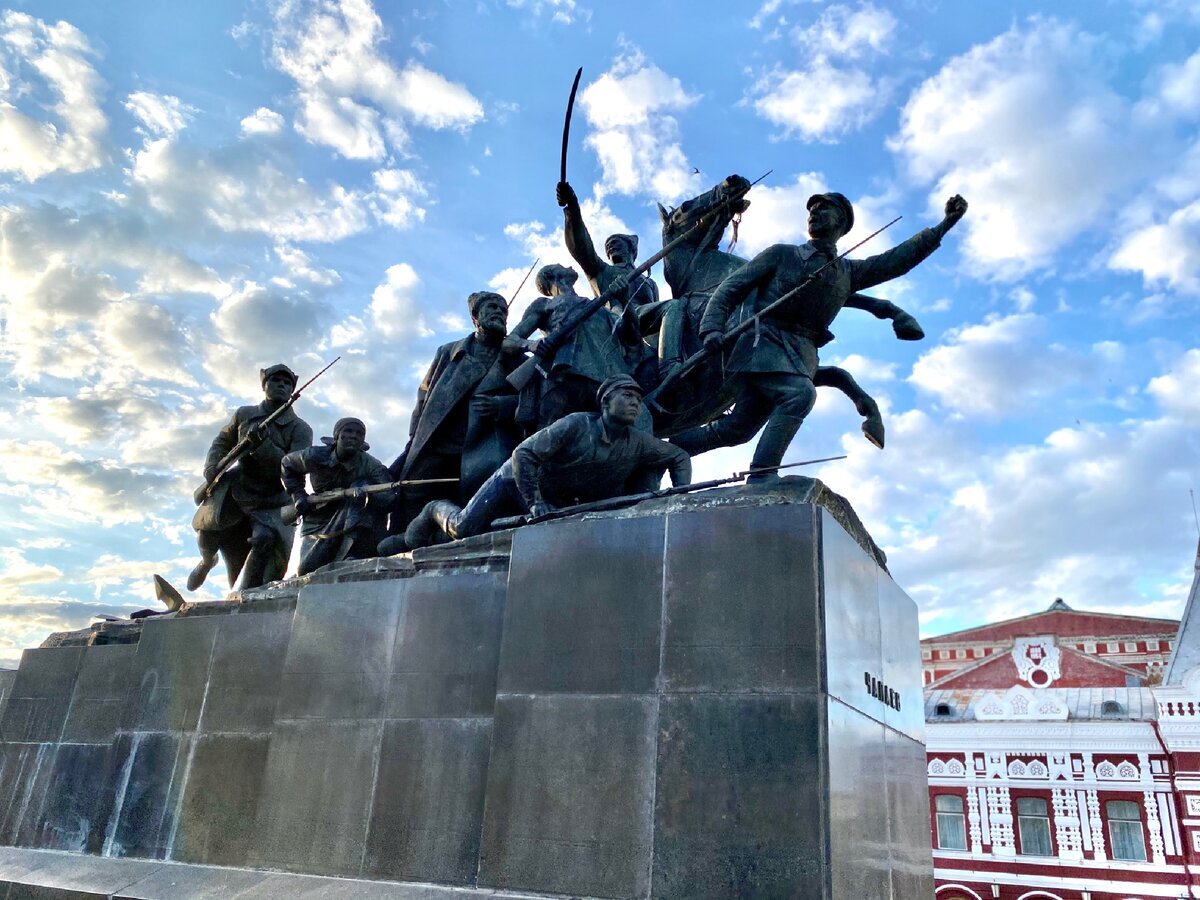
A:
[562,169]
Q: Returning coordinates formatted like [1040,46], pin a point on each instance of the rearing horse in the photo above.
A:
[693,270]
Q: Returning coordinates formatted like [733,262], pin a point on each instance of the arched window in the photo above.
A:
[1033,825]
[951,824]
[1125,830]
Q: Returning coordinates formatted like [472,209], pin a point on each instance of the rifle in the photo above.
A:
[547,346]
[708,350]
[525,279]
[239,450]
[631,499]
[291,516]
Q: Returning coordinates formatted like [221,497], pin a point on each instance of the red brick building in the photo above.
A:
[1064,757]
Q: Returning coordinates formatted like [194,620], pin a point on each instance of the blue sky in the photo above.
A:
[189,194]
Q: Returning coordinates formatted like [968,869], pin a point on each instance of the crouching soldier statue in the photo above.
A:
[239,513]
[349,528]
[580,458]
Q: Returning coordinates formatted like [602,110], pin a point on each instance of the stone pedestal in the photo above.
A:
[709,696]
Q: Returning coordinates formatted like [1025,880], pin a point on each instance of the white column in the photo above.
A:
[1170,829]
[1154,829]
[1093,806]
[973,819]
[985,826]
[1085,824]
[1000,813]
[1066,824]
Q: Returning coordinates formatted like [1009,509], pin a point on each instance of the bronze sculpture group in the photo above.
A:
[619,389]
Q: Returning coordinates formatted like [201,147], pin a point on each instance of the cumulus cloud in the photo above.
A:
[262,121]
[1167,254]
[160,115]
[992,369]
[1178,389]
[395,304]
[64,83]
[268,324]
[829,95]
[1027,129]
[562,11]
[351,97]
[634,133]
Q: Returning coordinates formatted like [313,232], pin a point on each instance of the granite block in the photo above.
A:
[101,695]
[739,808]
[41,694]
[908,818]
[584,607]
[852,634]
[339,657]
[428,805]
[220,800]
[570,795]
[447,646]
[247,667]
[901,652]
[858,804]
[741,600]
[316,801]
[71,800]
[170,672]
[147,772]
[24,775]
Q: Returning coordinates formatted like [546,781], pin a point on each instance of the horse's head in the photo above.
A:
[677,221]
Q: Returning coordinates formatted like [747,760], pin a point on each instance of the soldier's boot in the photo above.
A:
[433,525]
[670,339]
[774,442]
[200,572]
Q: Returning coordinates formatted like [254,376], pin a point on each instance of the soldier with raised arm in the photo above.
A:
[240,517]
[775,362]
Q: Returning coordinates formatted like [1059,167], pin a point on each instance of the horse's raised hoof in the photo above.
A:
[907,328]
[872,427]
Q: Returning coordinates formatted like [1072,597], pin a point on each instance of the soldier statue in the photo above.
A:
[350,528]
[774,364]
[577,459]
[463,425]
[596,350]
[622,250]
[240,512]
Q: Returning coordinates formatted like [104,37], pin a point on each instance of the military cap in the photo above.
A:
[838,200]
[264,374]
[614,383]
[342,423]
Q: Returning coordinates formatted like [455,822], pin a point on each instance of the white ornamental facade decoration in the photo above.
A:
[1037,660]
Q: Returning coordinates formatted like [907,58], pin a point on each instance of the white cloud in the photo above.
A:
[844,32]
[635,136]
[60,56]
[351,97]
[1167,253]
[1003,366]
[823,100]
[1178,390]
[262,121]
[1026,129]
[395,304]
[266,325]
[160,115]
[16,570]
[397,192]
[242,189]
[562,11]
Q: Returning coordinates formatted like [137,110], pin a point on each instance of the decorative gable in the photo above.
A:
[1037,660]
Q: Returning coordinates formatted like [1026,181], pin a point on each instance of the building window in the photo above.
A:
[1125,830]
[925,654]
[951,824]
[1112,648]
[1089,647]
[1131,647]
[1151,645]
[1033,825]
[960,654]
[943,654]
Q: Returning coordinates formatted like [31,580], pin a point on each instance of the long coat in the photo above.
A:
[454,377]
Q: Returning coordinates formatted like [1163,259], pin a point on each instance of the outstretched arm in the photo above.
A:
[575,233]
[873,270]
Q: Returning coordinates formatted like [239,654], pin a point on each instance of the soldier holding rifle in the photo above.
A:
[583,457]
[349,528]
[239,514]
[805,286]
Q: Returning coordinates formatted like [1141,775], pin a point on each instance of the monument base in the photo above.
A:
[709,695]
